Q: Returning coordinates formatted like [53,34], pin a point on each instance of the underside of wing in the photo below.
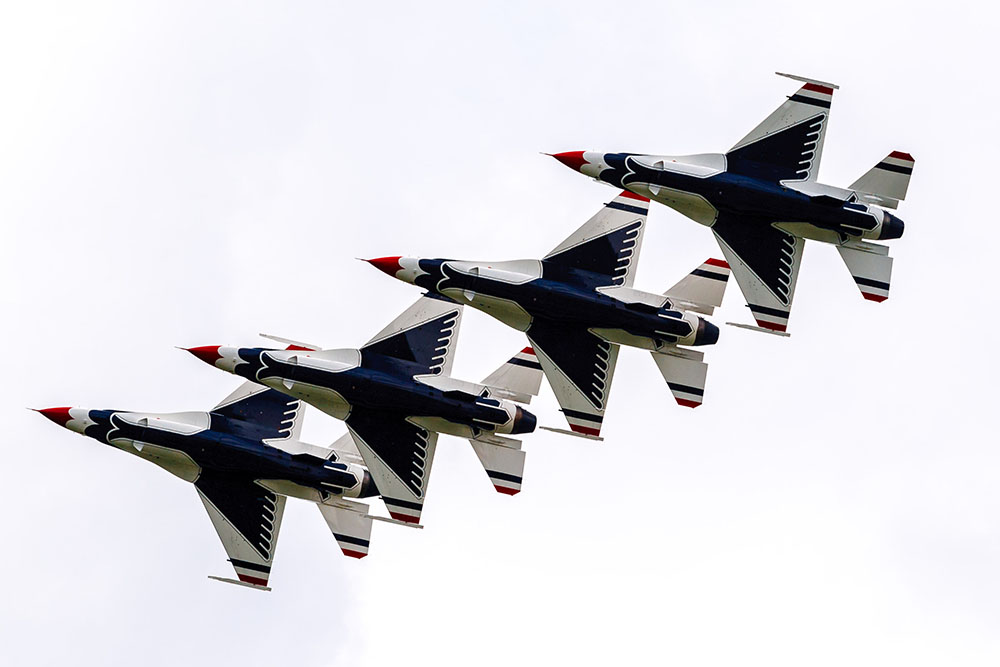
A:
[422,337]
[765,262]
[399,455]
[247,518]
[605,250]
[579,367]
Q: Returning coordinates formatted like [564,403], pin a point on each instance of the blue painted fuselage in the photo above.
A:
[381,383]
[758,195]
[564,297]
[227,446]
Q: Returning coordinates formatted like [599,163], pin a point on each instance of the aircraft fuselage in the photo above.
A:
[189,443]
[700,187]
[521,292]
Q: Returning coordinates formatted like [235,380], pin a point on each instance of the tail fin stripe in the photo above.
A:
[895,167]
[534,365]
[708,274]
[810,100]
[626,207]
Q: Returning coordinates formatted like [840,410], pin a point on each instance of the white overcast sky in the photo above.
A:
[195,173]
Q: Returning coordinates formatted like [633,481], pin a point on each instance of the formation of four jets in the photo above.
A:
[577,306]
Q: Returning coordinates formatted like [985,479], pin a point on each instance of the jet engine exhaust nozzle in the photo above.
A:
[707,334]
[524,422]
[892,228]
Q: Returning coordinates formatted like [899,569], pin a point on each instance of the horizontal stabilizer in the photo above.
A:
[518,379]
[886,183]
[685,374]
[702,289]
[504,463]
[350,524]
[871,267]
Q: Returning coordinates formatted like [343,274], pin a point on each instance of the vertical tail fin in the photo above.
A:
[886,183]
[518,379]
[702,290]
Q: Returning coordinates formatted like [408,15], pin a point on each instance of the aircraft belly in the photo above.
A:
[327,400]
[291,489]
[809,231]
[505,310]
[622,337]
[689,204]
[173,461]
[441,425]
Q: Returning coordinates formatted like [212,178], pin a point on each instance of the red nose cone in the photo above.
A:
[573,159]
[58,415]
[388,265]
[207,353]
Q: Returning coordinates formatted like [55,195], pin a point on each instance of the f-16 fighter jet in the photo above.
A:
[395,396]
[244,458]
[762,201]
[577,306]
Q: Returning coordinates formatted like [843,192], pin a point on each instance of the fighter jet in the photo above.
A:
[396,396]
[762,200]
[577,306]
[244,458]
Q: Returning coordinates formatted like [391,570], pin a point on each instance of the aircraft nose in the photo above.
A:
[75,419]
[58,415]
[708,333]
[892,228]
[524,422]
[572,159]
[207,353]
[387,265]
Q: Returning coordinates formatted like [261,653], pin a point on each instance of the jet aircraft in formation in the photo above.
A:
[762,201]
[577,306]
